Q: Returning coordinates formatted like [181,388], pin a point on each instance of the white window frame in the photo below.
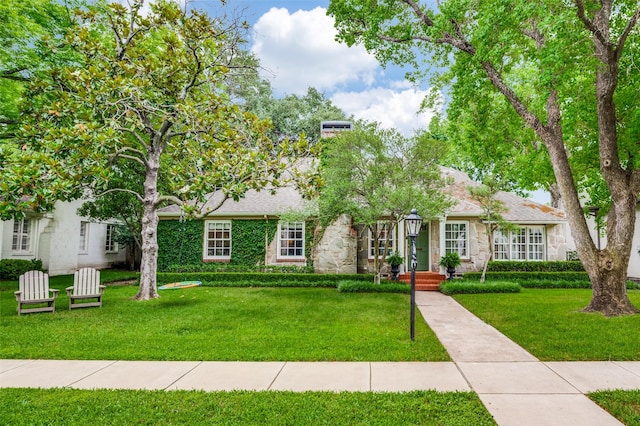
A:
[224,225]
[528,243]
[110,246]
[455,242]
[22,236]
[285,230]
[381,242]
[83,247]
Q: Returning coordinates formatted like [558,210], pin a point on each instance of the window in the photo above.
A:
[22,235]
[110,244]
[84,237]
[382,240]
[527,243]
[456,238]
[217,240]
[291,240]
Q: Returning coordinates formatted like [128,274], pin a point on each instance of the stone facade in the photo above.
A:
[336,253]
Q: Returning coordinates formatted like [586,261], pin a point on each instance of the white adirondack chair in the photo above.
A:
[34,290]
[86,285]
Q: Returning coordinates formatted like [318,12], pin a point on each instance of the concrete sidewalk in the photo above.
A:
[516,388]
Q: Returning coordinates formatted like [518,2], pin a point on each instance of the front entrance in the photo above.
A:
[422,249]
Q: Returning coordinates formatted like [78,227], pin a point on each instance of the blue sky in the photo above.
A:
[295,41]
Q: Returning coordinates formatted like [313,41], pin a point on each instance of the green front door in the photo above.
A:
[422,249]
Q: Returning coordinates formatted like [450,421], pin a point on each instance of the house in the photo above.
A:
[600,239]
[283,236]
[63,240]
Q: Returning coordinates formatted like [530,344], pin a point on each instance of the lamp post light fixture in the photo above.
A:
[413,223]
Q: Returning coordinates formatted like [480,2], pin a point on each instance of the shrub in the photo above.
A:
[347,286]
[521,277]
[473,287]
[228,267]
[530,266]
[257,279]
[11,269]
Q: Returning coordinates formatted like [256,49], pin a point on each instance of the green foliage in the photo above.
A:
[521,277]
[395,259]
[180,243]
[535,266]
[262,279]
[11,269]
[227,267]
[450,287]
[450,260]
[249,238]
[351,286]
[198,408]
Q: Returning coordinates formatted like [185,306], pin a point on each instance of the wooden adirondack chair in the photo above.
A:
[86,285]
[34,290]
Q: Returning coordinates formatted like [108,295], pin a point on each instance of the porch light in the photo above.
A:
[413,223]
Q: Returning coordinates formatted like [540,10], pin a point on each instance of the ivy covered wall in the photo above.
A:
[181,243]
[248,240]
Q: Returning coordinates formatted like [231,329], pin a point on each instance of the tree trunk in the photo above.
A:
[149,262]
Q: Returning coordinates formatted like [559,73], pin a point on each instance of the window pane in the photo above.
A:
[218,241]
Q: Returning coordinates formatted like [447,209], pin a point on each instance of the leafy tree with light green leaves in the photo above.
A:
[376,176]
[149,90]
[569,72]
[492,214]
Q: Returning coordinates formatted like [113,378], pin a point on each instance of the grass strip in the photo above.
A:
[623,404]
[550,324]
[80,407]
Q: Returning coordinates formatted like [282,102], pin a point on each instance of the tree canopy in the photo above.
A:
[566,69]
[150,91]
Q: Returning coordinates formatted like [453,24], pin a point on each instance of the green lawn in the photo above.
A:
[624,405]
[107,407]
[223,324]
[550,325]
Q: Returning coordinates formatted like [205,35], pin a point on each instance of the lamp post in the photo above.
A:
[413,223]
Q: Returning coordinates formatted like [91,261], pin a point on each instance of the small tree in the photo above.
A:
[492,210]
[377,176]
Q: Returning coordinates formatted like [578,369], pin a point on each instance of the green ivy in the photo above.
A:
[248,240]
[180,243]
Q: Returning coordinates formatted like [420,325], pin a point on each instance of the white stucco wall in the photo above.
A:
[634,259]
[56,241]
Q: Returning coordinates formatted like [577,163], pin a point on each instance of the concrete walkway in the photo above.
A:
[516,388]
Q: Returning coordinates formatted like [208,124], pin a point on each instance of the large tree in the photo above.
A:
[578,59]
[150,90]
[377,176]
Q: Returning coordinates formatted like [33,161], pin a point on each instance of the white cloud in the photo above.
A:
[299,51]
[391,108]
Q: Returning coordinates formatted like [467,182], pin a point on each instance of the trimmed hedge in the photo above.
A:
[369,287]
[529,266]
[520,277]
[11,269]
[261,279]
[228,267]
[471,287]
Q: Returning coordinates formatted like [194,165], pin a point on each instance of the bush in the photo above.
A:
[530,266]
[471,287]
[228,267]
[521,277]
[369,287]
[11,269]
[257,279]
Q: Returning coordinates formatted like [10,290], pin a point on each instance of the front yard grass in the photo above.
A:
[223,324]
[550,325]
[80,407]
[623,404]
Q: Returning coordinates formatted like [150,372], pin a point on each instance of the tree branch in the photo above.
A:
[128,191]
[625,34]
[121,154]
[588,23]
